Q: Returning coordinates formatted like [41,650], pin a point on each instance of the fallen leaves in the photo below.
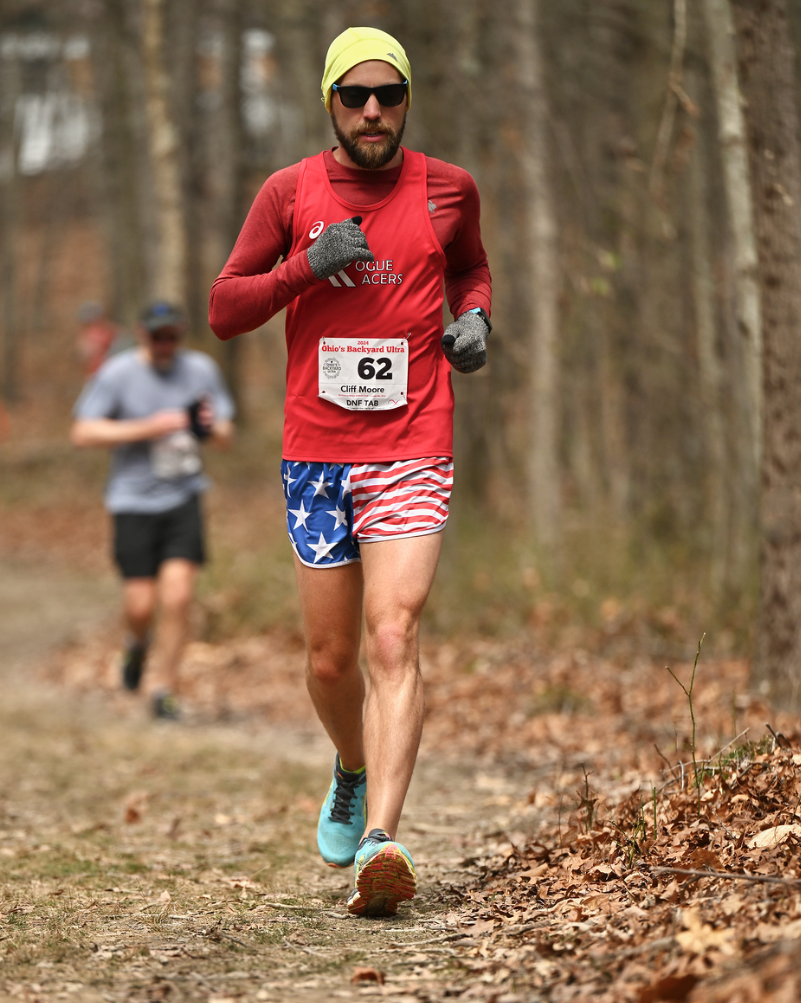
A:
[699,937]
[367,975]
[622,883]
[774,836]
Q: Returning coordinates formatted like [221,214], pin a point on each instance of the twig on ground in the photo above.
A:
[730,875]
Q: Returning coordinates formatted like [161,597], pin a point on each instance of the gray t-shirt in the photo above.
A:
[161,474]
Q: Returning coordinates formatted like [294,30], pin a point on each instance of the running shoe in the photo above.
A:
[133,665]
[385,876]
[342,817]
[165,707]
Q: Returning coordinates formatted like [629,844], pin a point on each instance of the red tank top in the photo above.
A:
[397,296]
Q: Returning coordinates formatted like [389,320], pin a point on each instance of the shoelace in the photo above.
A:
[343,797]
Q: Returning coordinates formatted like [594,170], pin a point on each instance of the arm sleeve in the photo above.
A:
[98,399]
[468,282]
[250,289]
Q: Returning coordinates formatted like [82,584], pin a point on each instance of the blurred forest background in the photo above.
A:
[607,456]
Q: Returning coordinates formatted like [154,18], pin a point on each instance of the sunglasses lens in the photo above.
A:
[353,97]
[389,96]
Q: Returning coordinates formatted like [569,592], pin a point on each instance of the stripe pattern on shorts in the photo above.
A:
[404,498]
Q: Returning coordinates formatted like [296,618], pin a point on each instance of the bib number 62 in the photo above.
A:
[378,369]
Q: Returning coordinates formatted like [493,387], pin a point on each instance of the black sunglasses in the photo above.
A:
[388,95]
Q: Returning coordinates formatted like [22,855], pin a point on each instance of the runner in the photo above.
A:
[154,405]
[367,231]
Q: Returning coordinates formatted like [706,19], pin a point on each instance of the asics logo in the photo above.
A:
[317,229]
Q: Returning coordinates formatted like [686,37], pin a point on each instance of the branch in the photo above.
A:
[765,879]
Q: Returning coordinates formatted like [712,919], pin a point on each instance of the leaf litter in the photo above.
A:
[574,856]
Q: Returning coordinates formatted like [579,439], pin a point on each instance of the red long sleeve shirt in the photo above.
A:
[250,289]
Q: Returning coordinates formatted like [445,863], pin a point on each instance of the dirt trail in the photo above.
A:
[144,861]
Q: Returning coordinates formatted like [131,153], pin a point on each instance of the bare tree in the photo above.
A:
[9,220]
[540,256]
[731,133]
[767,74]
[748,342]
[119,170]
[170,274]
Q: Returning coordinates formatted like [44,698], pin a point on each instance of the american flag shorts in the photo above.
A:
[333,507]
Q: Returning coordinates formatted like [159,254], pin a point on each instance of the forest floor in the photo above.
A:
[561,855]
[565,851]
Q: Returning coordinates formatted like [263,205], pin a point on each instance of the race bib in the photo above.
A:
[176,455]
[364,374]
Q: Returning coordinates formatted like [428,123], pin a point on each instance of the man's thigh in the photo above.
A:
[398,575]
[181,534]
[135,545]
[331,607]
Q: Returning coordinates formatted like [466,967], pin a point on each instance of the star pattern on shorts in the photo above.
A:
[289,480]
[320,486]
[301,515]
[339,517]
[321,548]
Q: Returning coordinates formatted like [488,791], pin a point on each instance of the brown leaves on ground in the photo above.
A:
[629,882]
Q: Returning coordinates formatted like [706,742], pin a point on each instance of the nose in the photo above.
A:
[372,109]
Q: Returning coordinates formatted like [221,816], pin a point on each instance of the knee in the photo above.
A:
[330,666]
[392,645]
[176,602]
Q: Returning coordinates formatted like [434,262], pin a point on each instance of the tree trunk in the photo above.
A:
[170,274]
[710,371]
[739,203]
[540,255]
[731,132]
[767,74]
[9,215]
[118,176]
[229,166]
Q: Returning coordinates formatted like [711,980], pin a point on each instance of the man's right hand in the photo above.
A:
[164,422]
[339,245]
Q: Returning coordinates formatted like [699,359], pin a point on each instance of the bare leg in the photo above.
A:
[398,575]
[176,583]
[139,604]
[331,605]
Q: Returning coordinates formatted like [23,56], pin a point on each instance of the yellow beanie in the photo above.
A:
[357,45]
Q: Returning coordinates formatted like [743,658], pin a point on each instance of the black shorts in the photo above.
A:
[142,541]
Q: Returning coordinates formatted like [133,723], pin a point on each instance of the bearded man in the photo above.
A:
[367,232]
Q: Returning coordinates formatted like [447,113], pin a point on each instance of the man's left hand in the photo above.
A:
[465,343]
[201,418]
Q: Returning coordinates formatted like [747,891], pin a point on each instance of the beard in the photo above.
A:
[370,156]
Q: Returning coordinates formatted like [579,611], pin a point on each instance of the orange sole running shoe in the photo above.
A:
[385,876]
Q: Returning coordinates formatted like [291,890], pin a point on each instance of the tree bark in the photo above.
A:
[736,182]
[767,73]
[170,274]
[710,370]
[229,164]
[9,226]
[747,389]
[540,256]
[118,174]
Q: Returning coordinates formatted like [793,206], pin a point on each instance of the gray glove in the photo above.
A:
[338,245]
[465,342]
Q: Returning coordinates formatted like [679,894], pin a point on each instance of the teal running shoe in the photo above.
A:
[342,817]
[385,876]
